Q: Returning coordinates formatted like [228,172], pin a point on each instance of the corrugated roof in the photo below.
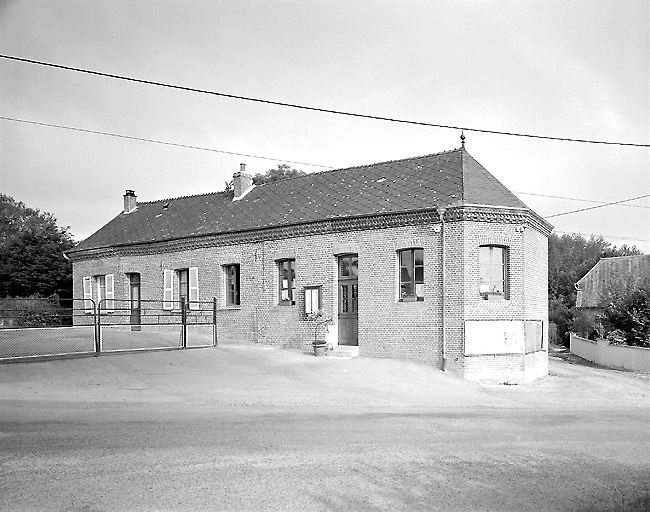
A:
[594,287]
[398,186]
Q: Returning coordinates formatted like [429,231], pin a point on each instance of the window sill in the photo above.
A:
[411,299]
[494,298]
[414,304]
[496,354]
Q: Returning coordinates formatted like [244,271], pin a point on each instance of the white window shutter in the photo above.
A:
[110,293]
[168,289]
[194,288]
[88,294]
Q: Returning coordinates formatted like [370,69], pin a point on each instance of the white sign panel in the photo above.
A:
[494,337]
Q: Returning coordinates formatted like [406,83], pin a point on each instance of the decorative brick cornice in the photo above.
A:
[424,217]
[496,215]
[262,235]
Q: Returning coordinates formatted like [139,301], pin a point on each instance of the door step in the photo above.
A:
[344,351]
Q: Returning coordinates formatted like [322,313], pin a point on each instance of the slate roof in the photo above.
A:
[595,285]
[412,184]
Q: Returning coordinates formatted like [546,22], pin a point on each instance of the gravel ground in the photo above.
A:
[248,427]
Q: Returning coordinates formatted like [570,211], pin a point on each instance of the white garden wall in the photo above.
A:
[615,356]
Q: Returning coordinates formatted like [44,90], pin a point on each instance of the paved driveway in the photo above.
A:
[248,427]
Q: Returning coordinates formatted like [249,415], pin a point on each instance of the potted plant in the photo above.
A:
[319,318]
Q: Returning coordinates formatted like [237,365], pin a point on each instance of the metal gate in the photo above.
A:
[37,328]
[147,325]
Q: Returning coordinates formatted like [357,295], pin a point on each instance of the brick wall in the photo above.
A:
[387,327]
[527,298]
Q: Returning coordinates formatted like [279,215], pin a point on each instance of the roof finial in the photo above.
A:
[462,138]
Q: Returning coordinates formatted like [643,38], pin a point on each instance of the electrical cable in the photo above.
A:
[316,109]
[166,143]
[579,199]
[201,148]
[604,236]
[597,206]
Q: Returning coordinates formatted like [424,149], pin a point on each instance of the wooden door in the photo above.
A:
[348,300]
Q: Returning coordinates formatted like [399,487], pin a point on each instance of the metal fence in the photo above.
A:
[33,328]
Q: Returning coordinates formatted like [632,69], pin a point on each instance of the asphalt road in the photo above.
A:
[253,428]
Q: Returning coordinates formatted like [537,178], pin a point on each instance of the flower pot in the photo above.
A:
[320,349]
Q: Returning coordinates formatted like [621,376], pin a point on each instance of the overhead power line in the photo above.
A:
[604,236]
[581,200]
[598,206]
[202,148]
[155,141]
[315,109]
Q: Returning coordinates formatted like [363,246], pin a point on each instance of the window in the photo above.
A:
[411,275]
[349,266]
[183,286]
[493,263]
[99,288]
[134,290]
[232,285]
[180,287]
[312,299]
[287,282]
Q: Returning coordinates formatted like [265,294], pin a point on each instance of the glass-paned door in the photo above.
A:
[348,316]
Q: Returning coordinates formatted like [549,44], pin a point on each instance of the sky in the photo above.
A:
[578,69]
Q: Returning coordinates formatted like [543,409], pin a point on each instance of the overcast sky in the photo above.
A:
[578,69]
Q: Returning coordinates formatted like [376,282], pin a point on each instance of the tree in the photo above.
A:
[281,172]
[32,247]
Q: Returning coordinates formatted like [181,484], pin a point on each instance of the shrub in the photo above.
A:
[33,311]
[627,315]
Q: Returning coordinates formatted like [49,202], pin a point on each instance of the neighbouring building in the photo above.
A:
[429,259]
[607,276]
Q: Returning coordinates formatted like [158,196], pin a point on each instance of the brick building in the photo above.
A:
[428,259]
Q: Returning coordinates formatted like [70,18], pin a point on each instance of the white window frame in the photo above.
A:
[484,289]
[313,299]
[417,286]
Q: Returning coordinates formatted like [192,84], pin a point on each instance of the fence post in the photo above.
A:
[214,322]
[184,326]
[98,329]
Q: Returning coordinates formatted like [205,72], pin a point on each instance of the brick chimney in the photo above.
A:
[242,182]
[130,201]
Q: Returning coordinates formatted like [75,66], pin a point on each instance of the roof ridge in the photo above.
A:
[361,166]
[311,174]
[462,174]
[182,197]
[625,256]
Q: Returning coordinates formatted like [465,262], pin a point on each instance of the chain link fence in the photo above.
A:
[34,327]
